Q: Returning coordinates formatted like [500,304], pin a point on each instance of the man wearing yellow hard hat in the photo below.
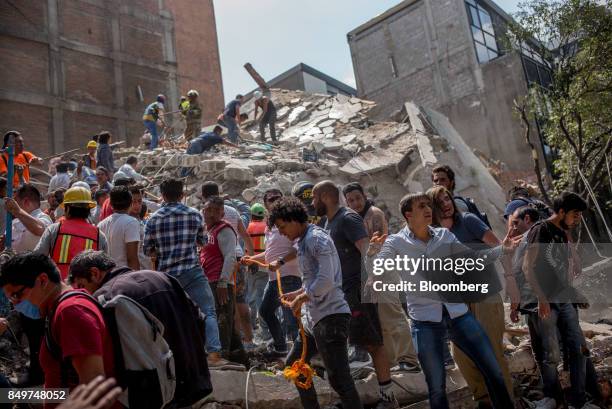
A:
[89,160]
[72,234]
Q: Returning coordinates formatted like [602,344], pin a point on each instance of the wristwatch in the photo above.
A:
[281,261]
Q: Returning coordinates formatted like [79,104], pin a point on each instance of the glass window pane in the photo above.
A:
[472,2]
[490,41]
[474,16]
[477,33]
[492,54]
[545,77]
[481,52]
[532,71]
[485,19]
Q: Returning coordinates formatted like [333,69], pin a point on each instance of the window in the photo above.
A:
[482,32]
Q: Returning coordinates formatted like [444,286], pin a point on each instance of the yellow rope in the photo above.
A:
[299,369]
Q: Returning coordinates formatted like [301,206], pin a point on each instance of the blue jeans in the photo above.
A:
[195,284]
[563,321]
[152,127]
[256,280]
[467,334]
[232,128]
[269,305]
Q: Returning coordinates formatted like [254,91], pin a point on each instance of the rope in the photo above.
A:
[300,368]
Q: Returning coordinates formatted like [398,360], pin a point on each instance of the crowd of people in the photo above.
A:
[210,276]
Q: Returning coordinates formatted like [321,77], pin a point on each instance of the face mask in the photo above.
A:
[28,309]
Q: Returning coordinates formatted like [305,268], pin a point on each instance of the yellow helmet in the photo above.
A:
[78,196]
[92,144]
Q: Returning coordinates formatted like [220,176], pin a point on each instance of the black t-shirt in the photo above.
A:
[552,262]
[346,228]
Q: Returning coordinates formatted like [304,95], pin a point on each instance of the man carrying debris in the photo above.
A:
[154,112]
[546,267]
[320,300]
[351,239]
[268,115]
[129,169]
[395,326]
[193,116]
[232,118]
[172,235]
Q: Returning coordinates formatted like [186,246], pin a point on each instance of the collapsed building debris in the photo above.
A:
[325,137]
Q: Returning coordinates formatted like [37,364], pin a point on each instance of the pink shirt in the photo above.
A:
[278,246]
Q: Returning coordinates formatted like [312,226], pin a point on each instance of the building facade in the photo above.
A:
[449,55]
[303,77]
[72,68]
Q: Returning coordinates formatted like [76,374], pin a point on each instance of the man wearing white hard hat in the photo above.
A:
[193,116]
[268,115]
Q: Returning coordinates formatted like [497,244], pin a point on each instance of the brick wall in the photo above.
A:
[65,67]
[197,53]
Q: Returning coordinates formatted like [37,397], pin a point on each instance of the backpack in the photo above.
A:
[472,208]
[144,363]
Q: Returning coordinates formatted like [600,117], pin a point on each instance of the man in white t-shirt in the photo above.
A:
[29,221]
[122,230]
[135,210]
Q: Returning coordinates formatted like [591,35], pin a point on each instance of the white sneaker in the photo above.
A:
[546,403]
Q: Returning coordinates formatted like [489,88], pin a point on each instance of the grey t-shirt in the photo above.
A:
[45,244]
[469,229]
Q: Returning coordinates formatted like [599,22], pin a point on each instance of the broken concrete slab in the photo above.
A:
[238,173]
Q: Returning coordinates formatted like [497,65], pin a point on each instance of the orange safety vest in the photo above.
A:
[257,231]
[73,237]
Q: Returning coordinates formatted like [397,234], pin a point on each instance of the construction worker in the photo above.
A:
[89,159]
[154,112]
[183,105]
[268,115]
[65,239]
[22,159]
[193,115]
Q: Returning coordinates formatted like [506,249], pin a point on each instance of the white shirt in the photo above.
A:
[120,229]
[23,239]
[58,181]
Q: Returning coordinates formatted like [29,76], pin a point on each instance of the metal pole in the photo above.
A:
[10,174]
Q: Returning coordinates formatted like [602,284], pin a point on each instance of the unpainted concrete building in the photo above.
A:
[303,77]
[448,55]
[71,68]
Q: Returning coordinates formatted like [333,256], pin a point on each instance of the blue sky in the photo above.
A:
[275,35]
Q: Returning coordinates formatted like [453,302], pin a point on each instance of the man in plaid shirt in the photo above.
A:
[171,236]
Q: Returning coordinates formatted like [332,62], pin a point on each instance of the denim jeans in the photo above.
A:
[467,334]
[196,285]
[563,322]
[330,340]
[256,280]
[231,342]
[152,127]
[269,305]
[232,128]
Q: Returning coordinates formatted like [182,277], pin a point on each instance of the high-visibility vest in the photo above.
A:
[151,112]
[73,237]
[184,107]
[257,231]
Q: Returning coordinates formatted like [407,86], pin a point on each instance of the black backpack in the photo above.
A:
[472,208]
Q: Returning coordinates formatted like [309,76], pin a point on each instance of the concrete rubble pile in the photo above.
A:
[325,137]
